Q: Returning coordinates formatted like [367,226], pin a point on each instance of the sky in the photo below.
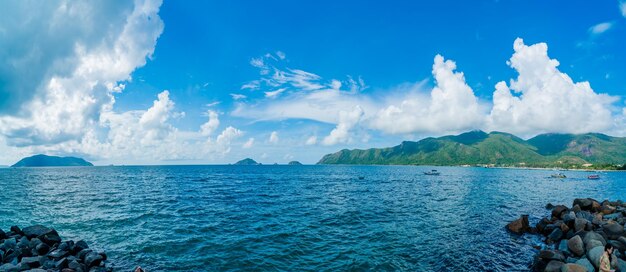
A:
[213,82]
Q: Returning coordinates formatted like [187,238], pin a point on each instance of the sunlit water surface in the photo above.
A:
[295,218]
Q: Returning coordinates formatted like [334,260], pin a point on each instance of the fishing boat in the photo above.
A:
[593,177]
[559,175]
[432,173]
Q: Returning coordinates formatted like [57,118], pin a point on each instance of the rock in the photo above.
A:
[571,260]
[3,235]
[607,209]
[31,262]
[9,267]
[520,225]
[93,259]
[563,247]
[58,254]
[81,255]
[42,249]
[593,236]
[584,262]
[583,203]
[9,243]
[613,231]
[16,230]
[549,255]
[80,245]
[554,266]
[576,208]
[62,263]
[572,267]
[51,239]
[617,245]
[594,255]
[556,235]
[541,225]
[595,206]
[38,230]
[23,243]
[579,224]
[37,270]
[549,206]
[592,243]
[34,242]
[576,246]
[614,216]
[73,265]
[558,210]
[621,264]
[569,217]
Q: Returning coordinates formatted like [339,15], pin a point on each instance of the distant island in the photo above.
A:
[497,149]
[247,161]
[45,161]
[294,163]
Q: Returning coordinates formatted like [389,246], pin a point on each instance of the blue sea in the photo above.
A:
[296,218]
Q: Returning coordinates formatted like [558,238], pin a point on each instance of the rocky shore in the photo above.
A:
[575,237]
[39,248]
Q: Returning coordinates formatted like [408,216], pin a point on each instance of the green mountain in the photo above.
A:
[495,148]
[247,161]
[44,161]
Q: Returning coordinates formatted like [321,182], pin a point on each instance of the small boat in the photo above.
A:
[559,175]
[432,173]
[593,177]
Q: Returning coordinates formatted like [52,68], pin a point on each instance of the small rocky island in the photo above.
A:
[294,163]
[39,248]
[575,237]
[49,161]
[247,161]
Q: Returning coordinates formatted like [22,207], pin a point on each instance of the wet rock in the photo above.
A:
[594,255]
[572,267]
[614,216]
[549,255]
[81,255]
[30,262]
[554,266]
[3,235]
[593,243]
[563,247]
[583,203]
[9,243]
[558,210]
[613,231]
[541,225]
[576,208]
[51,239]
[576,246]
[607,209]
[38,230]
[549,206]
[593,236]
[556,235]
[579,224]
[80,245]
[568,218]
[42,249]
[62,263]
[16,230]
[9,267]
[520,225]
[58,254]
[93,259]
[584,262]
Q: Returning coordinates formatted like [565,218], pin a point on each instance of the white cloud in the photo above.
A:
[546,100]
[281,55]
[274,137]
[211,125]
[237,96]
[622,7]
[600,28]
[275,93]
[311,140]
[249,143]
[225,139]
[347,121]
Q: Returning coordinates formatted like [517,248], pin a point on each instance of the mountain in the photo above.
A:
[247,161]
[43,161]
[294,163]
[495,148]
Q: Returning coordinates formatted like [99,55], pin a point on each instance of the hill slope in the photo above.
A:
[478,147]
[44,161]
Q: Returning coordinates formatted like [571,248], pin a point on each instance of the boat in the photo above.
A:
[593,177]
[432,173]
[559,175]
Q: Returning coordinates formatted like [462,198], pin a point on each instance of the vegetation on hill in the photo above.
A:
[44,161]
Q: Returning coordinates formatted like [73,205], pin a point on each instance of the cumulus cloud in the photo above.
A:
[274,137]
[600,28]
[249,143]
[347,121]
[544,99]
[61,67]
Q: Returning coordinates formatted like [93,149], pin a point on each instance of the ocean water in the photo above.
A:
[296,218]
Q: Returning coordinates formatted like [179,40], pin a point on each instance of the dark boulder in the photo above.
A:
[30,262]
[541,225]
[3,235]
[549,255]
[42,249]
[93,259]
[51,239]
[580,224]
[584,262]
[554,266]
[576,246]
[572,267]
[556,235]
[520,225]
[583,203]
[558,210]
[16,230]
[613,231]
[57,254]
[38,230]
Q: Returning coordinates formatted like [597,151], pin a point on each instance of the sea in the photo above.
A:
[296,218]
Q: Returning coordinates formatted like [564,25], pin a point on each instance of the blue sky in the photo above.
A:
[215,81]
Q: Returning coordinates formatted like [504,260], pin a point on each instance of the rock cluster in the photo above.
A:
[576,236]
[39,248]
